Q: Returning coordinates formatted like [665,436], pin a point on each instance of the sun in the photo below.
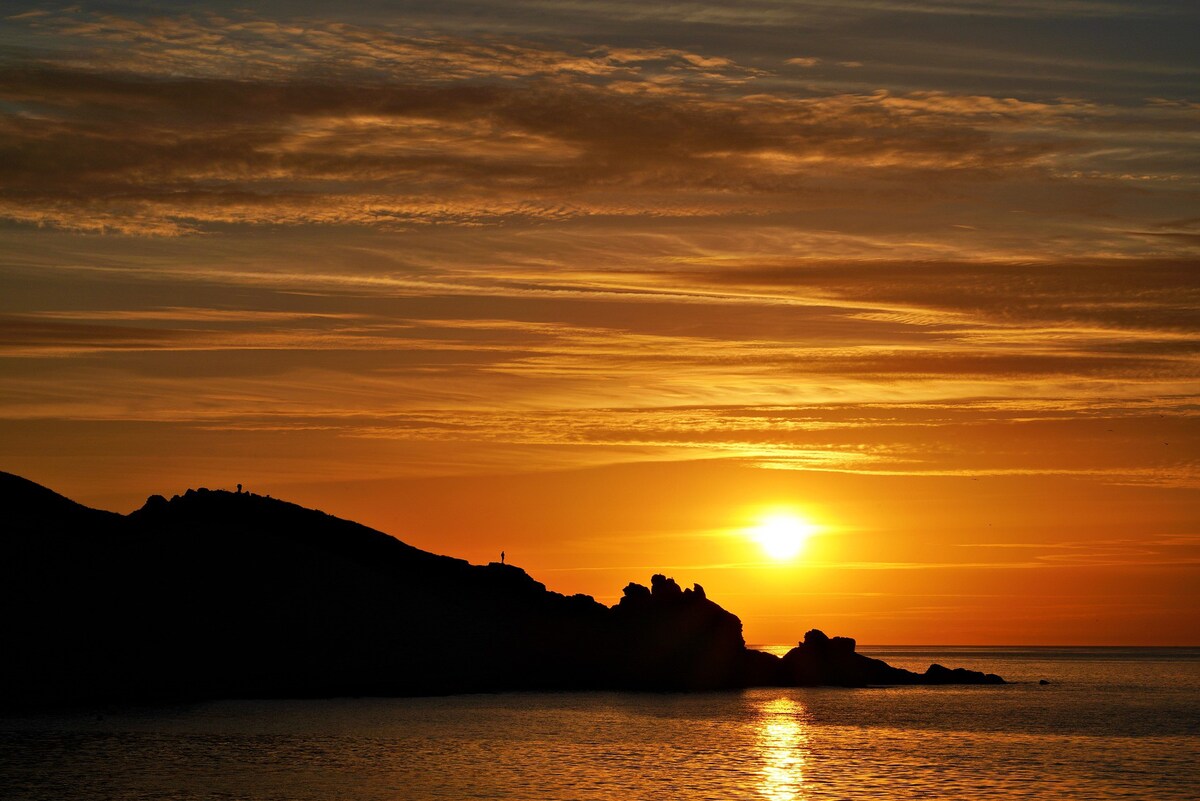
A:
[782,535]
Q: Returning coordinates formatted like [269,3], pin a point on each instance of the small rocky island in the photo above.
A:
[216,594]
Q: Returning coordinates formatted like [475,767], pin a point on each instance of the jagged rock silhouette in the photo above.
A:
[216,594]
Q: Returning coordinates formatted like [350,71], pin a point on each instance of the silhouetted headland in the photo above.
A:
[216,594]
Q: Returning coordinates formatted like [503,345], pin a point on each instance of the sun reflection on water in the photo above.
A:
[783,744]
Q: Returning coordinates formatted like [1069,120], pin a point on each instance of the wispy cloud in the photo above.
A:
[178,124]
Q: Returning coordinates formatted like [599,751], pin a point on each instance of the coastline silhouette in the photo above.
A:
[218,594]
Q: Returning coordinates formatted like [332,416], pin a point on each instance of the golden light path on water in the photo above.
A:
[783,744]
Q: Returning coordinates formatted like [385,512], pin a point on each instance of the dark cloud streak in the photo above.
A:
[176,124]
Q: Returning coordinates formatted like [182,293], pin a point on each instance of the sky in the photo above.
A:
[605,284]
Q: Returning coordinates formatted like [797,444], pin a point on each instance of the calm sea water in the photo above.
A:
[1114,723]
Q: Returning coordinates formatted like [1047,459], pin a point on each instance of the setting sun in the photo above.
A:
[782,535]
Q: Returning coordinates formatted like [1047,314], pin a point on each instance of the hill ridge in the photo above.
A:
[215,594]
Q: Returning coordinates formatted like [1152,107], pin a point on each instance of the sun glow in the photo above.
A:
[782,535]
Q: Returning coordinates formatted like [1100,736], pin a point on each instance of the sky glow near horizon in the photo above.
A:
[592,282]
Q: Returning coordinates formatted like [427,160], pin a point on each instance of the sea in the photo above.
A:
[1112,723]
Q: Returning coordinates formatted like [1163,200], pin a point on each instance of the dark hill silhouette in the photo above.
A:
[218,594]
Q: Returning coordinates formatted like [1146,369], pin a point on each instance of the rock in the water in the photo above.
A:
[936,674]
[824,661]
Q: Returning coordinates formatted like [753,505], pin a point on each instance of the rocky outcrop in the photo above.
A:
[218,594]
[820,660]
[936,674]
[668,638]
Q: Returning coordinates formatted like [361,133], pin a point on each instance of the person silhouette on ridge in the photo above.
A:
[502,557]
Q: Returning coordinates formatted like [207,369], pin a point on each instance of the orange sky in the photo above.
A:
[598,284]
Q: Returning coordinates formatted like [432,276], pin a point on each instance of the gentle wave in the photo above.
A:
[1104,728]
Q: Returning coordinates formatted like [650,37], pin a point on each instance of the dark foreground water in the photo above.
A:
[1114,724]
